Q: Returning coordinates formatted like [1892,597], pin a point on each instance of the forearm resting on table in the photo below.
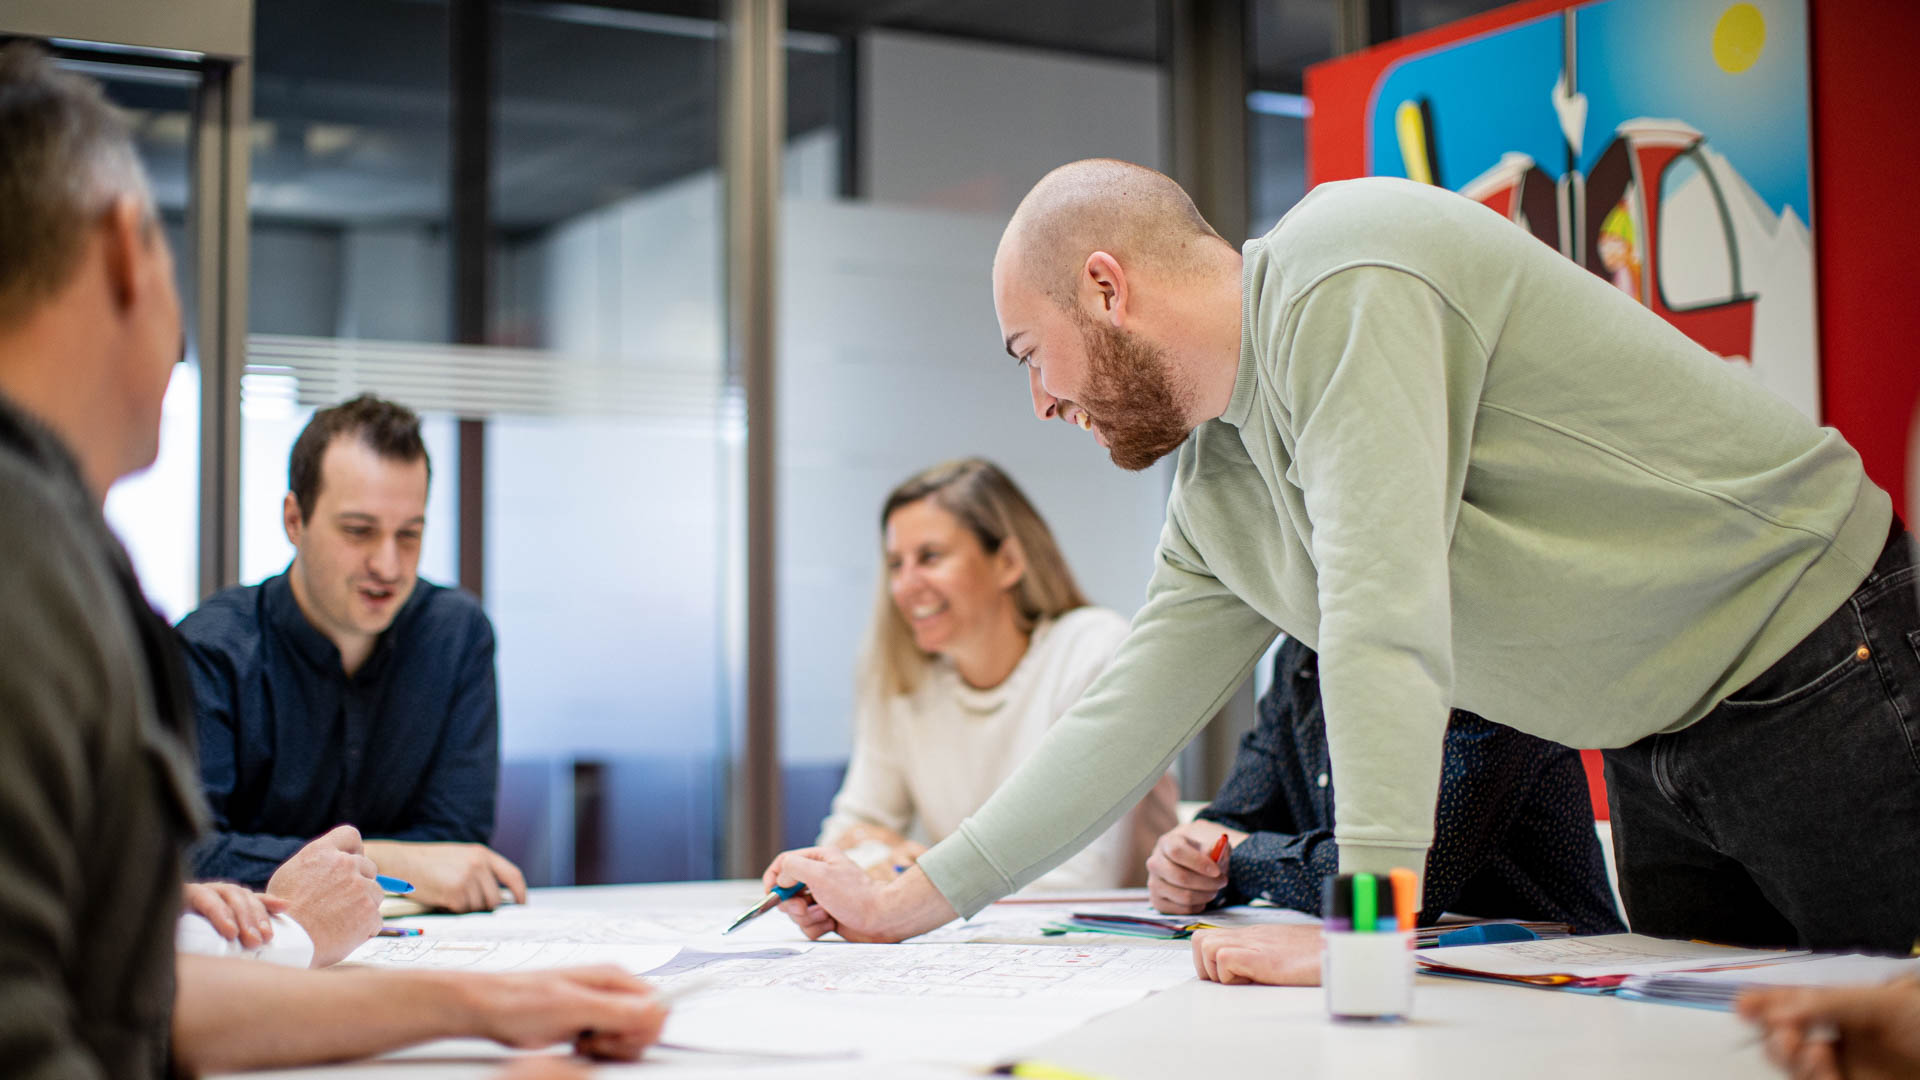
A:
[232,1014]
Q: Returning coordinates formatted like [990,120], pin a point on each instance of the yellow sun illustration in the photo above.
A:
[1738,38]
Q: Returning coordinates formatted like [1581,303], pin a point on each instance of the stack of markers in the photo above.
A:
[1366,949]
[1368,904]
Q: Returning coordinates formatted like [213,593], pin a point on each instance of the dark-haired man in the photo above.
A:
[348,690]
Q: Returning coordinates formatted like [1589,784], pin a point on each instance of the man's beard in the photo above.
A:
[1130,395]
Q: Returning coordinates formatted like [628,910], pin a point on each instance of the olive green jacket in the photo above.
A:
[98,792]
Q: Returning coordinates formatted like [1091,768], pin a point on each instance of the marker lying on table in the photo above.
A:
[1038,1070]
[779,893]
[393,884]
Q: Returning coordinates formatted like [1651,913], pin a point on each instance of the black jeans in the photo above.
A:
[1790,814]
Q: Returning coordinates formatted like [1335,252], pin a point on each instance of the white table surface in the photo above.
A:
[1460,1029]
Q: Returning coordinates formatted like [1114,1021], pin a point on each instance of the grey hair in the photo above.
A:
[66,154]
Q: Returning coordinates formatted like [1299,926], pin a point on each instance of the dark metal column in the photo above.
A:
[1361,23]
[1207,120]
[1208,108]
[849,116]
[753,120]
[472,31]
[217,225]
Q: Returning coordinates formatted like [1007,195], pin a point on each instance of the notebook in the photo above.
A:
[1600,962]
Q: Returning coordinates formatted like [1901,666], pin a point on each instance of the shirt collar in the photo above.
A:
[23,433]
[284,614]
[1247,377]
[981,700]
[290,623]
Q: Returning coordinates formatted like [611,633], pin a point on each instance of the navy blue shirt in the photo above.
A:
[1513,831]
[290,746]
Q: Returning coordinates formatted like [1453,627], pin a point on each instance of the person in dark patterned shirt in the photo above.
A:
[1514,834]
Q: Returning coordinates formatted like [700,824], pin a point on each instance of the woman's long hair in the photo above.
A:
[989,505]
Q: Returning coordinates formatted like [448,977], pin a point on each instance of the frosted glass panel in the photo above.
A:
[604,558]
[611,504]
[606,540]
[890,358]
[892,361]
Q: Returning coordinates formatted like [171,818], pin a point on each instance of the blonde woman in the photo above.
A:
[980,640]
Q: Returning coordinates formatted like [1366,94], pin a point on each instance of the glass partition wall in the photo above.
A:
[889,356]
[596,476]
[582,436]
[348,238]
[610,508]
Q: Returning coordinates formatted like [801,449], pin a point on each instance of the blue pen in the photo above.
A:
[393,884]
[779,893]
[1485,934]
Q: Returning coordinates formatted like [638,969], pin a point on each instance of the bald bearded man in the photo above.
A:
[1469,474]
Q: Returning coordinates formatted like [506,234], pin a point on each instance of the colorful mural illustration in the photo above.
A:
[1662,145]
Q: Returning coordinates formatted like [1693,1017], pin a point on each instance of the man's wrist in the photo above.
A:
[389,856]
[912,906]
[467,1003]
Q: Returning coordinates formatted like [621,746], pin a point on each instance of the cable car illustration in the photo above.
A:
[1653,181]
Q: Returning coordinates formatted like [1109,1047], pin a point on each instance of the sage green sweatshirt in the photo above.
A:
[1469,473]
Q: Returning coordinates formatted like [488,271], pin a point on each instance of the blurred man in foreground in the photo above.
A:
[98,790]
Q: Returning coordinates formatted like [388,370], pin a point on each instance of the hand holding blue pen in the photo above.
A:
[774,896]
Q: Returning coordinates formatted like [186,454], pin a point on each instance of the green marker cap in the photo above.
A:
[1365,903]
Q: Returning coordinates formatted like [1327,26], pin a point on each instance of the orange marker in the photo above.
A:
[1219,848]
[1405,905]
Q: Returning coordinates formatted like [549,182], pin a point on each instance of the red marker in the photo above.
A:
[1219,848]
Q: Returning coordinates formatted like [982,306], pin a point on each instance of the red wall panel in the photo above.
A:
[1866,225]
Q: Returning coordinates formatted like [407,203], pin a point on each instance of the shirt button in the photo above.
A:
[1322,780]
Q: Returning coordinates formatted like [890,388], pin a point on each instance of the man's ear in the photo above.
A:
[1104,284]
[290,518]
[124,233]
